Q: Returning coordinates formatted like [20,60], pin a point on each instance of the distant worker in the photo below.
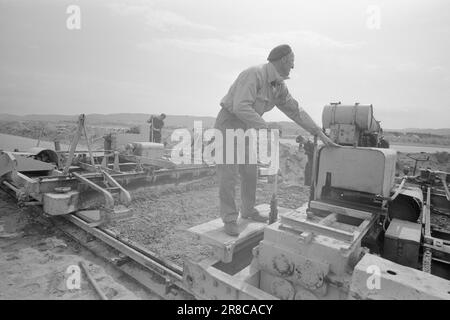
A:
[156,125]
[256,90]
[383,143]
[308,147]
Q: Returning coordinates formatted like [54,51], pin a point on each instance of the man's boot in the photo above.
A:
[231,229]
[255,216]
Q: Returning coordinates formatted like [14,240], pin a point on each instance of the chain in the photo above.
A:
[426,260]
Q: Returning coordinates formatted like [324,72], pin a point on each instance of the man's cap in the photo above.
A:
[163,115]
[279,52]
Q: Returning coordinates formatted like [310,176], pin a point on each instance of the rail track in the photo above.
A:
[162,277]
[154,273]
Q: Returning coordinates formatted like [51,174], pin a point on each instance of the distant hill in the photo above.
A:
[125,119]
[129,119]
[439,132]
[10,142]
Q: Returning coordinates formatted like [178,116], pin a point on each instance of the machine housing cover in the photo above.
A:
[402,242]
[369,170]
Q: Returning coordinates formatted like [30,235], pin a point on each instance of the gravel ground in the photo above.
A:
[162,215]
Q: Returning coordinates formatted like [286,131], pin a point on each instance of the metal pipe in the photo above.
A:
[92,281]
[85,151]
[443,177]
[32,203]
[13,188]
[312,187]
[397,192]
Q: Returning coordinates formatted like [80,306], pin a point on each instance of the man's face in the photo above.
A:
[287,64]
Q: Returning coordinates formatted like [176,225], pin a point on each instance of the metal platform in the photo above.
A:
[251,232]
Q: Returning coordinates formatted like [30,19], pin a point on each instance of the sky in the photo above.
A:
[181,56]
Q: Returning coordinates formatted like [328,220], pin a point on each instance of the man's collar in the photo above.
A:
[273,75]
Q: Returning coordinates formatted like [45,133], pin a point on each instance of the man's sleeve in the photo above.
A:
[244,99]
[290,107]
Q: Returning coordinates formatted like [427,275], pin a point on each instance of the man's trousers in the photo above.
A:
[228,176]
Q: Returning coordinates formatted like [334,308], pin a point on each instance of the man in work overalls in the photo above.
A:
[256,90]
[156,125]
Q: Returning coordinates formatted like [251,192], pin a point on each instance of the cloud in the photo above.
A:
[408,66]
[250,45]
[307,38]
[159,19]
[220,47]
[412,66]
[436,69]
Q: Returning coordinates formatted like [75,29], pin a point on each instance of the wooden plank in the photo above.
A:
[363,225]
[344,227]
[212,233]
[363,228]
[364,215]
[214,230]
[328,219]
[299,222]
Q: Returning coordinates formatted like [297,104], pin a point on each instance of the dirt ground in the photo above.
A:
[432,163]
[35,262]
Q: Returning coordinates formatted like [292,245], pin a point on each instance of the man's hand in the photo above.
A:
[327,141]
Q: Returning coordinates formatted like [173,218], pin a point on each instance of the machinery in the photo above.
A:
[353,125]
[75,181]
[364,234]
